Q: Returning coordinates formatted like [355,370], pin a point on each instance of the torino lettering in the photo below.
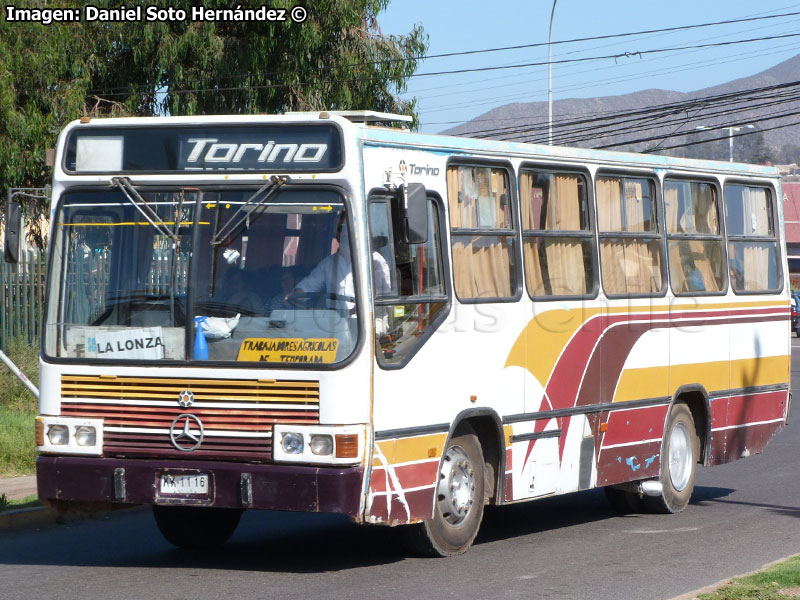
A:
[212,151]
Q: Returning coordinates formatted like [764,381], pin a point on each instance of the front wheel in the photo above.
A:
[196,527]
[460,494]
[680,452]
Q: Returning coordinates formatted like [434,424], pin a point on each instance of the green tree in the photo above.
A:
[337,59]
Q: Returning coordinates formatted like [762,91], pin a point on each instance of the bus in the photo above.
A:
[327,312]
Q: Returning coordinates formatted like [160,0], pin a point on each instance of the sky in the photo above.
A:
[456,26]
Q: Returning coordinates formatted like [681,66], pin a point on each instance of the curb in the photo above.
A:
[715,586]
[27,518]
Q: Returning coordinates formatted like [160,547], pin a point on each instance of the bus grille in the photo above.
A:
[237,415]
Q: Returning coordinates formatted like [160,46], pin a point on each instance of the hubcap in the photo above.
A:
[455,492]
[680,456]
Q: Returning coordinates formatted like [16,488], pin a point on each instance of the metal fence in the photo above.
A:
[22,297]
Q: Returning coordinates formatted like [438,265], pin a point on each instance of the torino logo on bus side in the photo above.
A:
[270,152]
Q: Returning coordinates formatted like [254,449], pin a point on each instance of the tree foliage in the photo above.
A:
[337,59]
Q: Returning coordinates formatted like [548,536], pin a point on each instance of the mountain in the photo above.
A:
[528,121]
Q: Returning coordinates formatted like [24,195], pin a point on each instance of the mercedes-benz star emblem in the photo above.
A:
[185,398]
[186,432]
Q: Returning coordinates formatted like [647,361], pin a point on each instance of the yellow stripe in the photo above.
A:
[545,336]
[128,223]
[636,384]
[410,449]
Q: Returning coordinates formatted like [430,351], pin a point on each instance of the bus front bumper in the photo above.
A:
[71,479]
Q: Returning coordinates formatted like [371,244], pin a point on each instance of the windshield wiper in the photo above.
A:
[259,197]
[134,197]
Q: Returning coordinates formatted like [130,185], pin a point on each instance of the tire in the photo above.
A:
[623,501]
[196,527]
[458,504]
[679,454]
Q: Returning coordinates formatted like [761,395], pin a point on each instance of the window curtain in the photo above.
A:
[565,268]
[756,256]
[629,266]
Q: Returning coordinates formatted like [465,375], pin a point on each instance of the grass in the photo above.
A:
[17,412]
[26,502]
[767,584]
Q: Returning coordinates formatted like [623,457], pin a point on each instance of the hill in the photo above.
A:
[528,121]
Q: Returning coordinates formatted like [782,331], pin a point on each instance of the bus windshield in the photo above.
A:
[202,276]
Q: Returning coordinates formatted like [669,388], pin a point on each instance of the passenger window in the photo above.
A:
[630,243]
[482,233]
[408,285]
[752,242]
[557,240]
[694,242]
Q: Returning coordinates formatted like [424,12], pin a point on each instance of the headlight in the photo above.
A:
[58,435]
[292,443]
[321,445]
[86,436]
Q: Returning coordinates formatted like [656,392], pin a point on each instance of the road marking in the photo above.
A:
[678,530]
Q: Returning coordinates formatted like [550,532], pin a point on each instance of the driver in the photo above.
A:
[334,273]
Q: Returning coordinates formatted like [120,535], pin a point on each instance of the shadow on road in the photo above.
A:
[293,542]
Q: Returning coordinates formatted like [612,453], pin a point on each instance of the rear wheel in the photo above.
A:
[680,451]
[196,527]
[460,494]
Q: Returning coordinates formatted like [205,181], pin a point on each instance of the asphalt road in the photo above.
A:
[742,516]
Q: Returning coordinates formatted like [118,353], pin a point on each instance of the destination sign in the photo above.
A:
[212,148]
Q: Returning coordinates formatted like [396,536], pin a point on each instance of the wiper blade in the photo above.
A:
[258,198]
[135,198]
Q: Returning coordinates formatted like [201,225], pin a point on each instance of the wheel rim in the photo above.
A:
[680,456]
[456,490]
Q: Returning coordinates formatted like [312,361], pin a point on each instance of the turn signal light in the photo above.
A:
[346,445]
[39,431]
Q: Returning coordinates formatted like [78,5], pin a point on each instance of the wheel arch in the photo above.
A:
[486,424]
[696,398]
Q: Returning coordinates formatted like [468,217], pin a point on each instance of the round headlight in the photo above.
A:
[321,445]
[292,443]
[86,435]
[58,435]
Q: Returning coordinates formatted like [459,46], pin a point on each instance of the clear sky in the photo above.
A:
[454,26]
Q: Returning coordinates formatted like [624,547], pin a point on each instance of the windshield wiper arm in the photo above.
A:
[135,198]
[265,192]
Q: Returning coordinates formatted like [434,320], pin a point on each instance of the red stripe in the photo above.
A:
[739,410]
[409,476]
[635,425]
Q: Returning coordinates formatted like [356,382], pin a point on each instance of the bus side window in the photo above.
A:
[694,238]
[482,232]
[556,235]
[752,239]
[411,304]
[631,256]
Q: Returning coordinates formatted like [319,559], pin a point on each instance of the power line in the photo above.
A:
[661,137]
[638,53]
[669,106]
[521,46]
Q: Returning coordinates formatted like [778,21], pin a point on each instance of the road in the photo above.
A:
[742,516]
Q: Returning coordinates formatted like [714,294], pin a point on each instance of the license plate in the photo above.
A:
[196,483]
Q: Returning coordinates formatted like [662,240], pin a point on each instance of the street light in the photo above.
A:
[550,77]
[730,135]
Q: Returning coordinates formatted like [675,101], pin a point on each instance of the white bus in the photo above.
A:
[319,312]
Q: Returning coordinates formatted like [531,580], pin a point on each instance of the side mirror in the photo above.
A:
[13,232]
[413,213]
